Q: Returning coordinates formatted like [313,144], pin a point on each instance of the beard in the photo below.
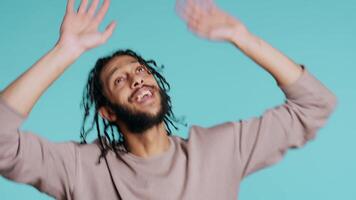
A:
[137,121]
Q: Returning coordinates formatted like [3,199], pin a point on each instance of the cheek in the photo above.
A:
[120,96]
[152,81]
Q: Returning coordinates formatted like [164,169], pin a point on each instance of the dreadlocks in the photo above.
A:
[94,98]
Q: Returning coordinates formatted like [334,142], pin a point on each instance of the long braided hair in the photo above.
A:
[94,98]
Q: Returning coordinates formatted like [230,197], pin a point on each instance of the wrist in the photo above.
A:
[67,51]
[63,56]
[241,37]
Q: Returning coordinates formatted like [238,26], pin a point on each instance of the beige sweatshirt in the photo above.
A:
[209,165]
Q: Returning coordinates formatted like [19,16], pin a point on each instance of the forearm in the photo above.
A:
[284,70]
[24,92]
[79,33]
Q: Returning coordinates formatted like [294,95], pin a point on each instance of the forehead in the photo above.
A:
[120,62]
[117,63]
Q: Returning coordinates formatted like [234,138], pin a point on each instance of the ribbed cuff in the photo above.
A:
[305,84]
[9,117]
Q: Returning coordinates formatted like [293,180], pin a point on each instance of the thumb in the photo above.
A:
[108,31]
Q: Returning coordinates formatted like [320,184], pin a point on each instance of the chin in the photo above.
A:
[152,108]
[150,111]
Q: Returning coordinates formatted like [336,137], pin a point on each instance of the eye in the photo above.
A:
[141,68]
[119,80]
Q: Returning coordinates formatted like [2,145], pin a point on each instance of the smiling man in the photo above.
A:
[128,97]
[138,156]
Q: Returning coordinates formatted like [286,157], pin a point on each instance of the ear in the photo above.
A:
[107,114]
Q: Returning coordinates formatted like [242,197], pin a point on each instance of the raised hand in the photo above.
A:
[206,20]
[79,29]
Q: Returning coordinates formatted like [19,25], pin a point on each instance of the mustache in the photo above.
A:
[152,87]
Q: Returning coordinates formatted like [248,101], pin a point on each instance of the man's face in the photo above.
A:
[134,93]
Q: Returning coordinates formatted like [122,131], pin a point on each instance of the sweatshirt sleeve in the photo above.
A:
[262,141]
[30,159]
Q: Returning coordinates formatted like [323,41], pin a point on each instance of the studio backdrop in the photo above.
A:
[211,82]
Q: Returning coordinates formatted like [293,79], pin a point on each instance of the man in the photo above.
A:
[127,93]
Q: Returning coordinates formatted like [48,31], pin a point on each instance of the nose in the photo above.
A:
[137,81]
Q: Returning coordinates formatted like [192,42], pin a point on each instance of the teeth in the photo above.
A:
[143,94]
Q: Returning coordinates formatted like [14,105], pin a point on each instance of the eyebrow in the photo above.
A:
[112,72]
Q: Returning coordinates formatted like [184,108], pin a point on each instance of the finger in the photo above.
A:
[83,6]
[194,3]
[179,8]
[194,12]
[183,8]
[207,4]
[189,10]
[197,32]
[191,1]
[108,31]
[70,6]
[199,23]
[102,12]
[179,4]
[182,12]
[93,6]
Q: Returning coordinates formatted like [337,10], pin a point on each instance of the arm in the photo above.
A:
[208,21]
[262,141]
[27,158]
[79,33]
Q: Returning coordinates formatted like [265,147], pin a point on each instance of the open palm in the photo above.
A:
[79,29]
[206,20]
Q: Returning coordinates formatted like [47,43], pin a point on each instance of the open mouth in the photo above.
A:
[143,95]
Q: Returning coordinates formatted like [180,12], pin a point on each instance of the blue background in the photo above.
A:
[212,82]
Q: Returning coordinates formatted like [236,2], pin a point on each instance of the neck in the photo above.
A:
[151,142]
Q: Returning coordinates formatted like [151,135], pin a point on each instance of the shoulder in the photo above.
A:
[221,132]
[89,152]
[216,138]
